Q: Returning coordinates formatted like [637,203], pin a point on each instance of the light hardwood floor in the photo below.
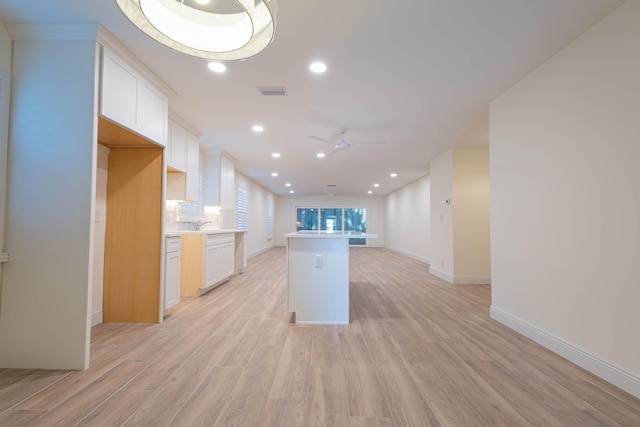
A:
[418,352]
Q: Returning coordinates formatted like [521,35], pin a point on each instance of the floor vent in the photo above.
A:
[272,90]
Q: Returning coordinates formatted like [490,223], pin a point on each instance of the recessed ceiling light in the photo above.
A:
[370,192]
[288,184]
[276,155]
[393,175]
[257,128]
[274,174]
[376,185]
[291,191]
[320,155]
[318,67]
[217,67]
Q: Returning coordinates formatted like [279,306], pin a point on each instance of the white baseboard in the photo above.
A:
[410,255]
[260,251]
[441,274]
[601,368]
[96,318]
[460,280]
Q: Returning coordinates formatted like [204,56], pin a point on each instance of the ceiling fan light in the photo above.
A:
[228,31]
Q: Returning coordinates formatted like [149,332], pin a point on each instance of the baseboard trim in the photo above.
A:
[410,255]
[441,274]
[260,251]
[601,368]
[96,319]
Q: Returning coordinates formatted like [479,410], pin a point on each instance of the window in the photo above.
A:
[243,196]
[333,219]
[269,218]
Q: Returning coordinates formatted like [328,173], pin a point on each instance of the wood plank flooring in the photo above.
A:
[418,352]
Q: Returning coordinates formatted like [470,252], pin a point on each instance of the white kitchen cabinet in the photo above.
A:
[219,261]
[219,180]
[172,272]
[130,100]
[208,260]
[177,148]
[185,186]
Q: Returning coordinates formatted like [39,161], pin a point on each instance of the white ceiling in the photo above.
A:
[416,73]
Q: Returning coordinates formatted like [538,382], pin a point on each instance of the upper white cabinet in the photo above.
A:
[129,99]
[177,147]
[219,180]
[184,185]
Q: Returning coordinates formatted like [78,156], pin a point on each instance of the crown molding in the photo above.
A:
[85,31]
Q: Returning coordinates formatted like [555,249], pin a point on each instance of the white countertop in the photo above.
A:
[318,234]
[221,231]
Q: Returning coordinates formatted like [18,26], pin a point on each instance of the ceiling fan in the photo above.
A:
[342,144]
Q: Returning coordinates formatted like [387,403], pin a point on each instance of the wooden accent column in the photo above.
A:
[133,235]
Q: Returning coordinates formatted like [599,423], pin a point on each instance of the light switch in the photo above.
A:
[319,261]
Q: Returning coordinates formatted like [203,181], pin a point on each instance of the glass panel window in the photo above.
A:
[331,219]
[307,219]
[355,219]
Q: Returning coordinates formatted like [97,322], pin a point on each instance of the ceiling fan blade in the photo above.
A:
[368,143]
[321,139]
[332,152]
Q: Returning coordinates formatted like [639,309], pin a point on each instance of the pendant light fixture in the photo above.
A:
[223,30]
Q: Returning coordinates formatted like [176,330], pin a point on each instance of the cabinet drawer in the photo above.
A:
[219,239]
[172,244]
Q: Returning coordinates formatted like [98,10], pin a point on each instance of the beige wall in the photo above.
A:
[471,220]
[565,204]
[407,218]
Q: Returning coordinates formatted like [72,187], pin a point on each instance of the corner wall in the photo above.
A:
[5,94]
[407,220]
[565,204]
[257,215]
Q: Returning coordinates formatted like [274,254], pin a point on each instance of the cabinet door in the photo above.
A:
[227,183]
[152,113]
[193,168]
[177,145]
[119,96]
[171,279]
[211,265]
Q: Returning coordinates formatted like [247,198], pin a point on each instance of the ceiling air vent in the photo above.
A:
[272,90]
[331,185]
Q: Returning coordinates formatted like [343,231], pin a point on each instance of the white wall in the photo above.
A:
[99,236]
[45,312]
[460,216]
[407,220]
[257,215]
[441,173]
[5,91]
[565,203]
[285,221]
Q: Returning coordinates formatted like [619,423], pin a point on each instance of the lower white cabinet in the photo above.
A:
[172,272]
[219,259]
[207,261]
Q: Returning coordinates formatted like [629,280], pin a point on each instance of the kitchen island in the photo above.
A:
[318,276]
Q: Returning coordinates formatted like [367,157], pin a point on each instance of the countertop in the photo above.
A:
[317,234]
[222,231]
